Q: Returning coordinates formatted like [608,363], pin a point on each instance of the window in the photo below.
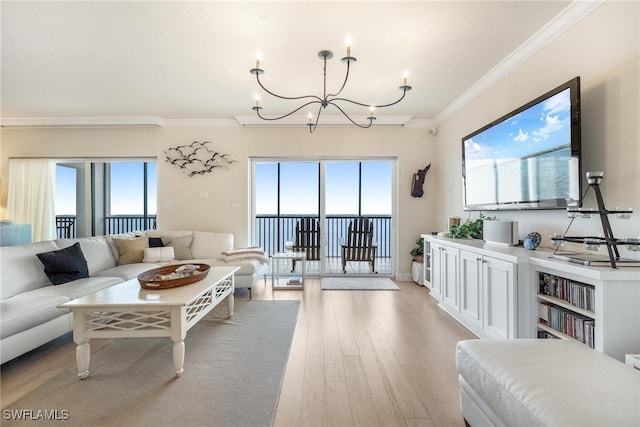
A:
[333,192]
[95,198]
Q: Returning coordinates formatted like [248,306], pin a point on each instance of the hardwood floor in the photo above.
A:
[358,358]
[369,358]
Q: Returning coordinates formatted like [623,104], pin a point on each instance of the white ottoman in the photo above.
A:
[544,383]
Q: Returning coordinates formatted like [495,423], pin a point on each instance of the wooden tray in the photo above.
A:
[148,279]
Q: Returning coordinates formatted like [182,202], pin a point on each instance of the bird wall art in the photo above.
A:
[197,158]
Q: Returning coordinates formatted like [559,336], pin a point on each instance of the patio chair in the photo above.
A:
[359,245]
[307,239]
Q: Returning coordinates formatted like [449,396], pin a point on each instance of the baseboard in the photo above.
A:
[404,277]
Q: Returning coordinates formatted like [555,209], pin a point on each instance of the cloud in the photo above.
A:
[552,123]
[474,149]
[472,146]
[521,137]
[557,104]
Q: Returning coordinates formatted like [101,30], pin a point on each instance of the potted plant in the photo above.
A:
[418,252]
[470,229]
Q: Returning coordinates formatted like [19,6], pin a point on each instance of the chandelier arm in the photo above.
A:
[404,92]
[344,83]
[285,97]
[349,118]
[288,114]
[313,126]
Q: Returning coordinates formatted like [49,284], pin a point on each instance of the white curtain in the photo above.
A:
[32,196]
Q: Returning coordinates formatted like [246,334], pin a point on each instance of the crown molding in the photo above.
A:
[325,121]
[421,123]
[238,121]
[81,122]
[200,123]
[570,15]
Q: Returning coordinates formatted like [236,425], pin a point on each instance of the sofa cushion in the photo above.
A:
[210,245]
[64,265]
[128,271]
[181,246]
[20,269]
[163,254]
[96,250]
[23,312]
[75,289]
[131,250]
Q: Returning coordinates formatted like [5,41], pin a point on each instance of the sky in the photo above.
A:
[299,188]
[543,126]
[127,189]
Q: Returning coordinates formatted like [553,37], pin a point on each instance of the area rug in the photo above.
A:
[358,284]
[232,376]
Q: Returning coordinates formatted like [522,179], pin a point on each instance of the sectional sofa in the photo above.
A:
[29,299]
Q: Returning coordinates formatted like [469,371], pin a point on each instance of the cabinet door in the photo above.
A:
[436,272]
[499,298]
[471,287]
[449,268]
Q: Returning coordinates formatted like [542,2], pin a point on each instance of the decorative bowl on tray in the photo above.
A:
[173,276]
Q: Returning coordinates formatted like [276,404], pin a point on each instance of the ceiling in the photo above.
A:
[191,60]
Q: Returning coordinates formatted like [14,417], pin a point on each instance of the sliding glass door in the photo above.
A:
[313,205]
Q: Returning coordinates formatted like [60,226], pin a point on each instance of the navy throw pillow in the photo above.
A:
[155,242]
[64,265]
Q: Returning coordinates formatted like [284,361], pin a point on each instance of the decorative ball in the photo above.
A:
[529,244]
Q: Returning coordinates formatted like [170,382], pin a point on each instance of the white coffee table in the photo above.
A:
[275,270]
[126,310]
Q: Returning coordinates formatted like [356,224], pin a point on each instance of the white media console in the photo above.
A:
[511,292]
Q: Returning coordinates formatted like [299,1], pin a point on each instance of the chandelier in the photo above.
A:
[328,98]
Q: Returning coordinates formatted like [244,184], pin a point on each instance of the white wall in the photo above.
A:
[603,49]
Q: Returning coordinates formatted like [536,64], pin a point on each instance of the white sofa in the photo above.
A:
[544,382]
[29,313]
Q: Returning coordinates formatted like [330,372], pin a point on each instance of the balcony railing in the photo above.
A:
[66,226]
[117,224]
[114,224]
[272,232]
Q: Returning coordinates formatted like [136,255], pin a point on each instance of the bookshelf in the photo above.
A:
[596,306]
[566,309]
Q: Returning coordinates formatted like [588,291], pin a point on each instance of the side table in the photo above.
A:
[275,270]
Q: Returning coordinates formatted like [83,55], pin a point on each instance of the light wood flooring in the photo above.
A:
[369,358]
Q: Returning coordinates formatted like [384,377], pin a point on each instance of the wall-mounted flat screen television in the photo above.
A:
[529,158]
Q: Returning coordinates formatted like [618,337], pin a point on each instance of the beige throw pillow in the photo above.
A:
[131,250]
[181,246]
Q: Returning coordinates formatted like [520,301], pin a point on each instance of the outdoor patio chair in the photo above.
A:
[359,244]
[307,239]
